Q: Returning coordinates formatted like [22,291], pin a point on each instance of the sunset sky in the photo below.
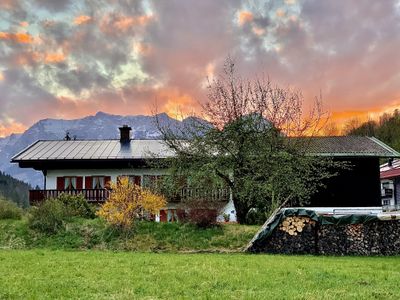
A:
[68,59]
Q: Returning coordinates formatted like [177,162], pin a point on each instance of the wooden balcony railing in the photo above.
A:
[218,195]
[101,195]
[91,195]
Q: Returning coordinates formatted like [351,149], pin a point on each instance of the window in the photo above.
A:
[69,183]
[98,182]
[152,182]
[134,179]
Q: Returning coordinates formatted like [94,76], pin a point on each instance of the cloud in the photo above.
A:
[82,19]
[245,17]
[19,37]
[11,127]
[121,56]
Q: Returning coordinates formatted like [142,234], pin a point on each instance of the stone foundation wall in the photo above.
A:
[372,238]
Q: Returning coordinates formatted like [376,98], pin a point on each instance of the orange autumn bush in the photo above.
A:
[129,202]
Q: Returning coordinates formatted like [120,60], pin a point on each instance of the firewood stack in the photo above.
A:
[295,224]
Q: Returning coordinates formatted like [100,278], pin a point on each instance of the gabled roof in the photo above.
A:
[348,146]
[93,150]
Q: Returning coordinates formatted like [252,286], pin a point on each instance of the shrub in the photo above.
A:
[9,210]
[48,217]
[202,213]
[77,206]
[51,215]
[128,202]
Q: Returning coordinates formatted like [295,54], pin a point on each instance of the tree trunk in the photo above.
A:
[241,209]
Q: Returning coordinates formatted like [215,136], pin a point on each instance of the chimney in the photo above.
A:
[390,162]
[125,134]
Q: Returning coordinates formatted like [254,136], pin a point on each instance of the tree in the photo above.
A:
[248,144]
[129,202]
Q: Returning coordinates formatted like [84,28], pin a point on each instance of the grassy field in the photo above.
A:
[45,274]
[84,234]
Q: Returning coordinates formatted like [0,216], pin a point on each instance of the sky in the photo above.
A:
[69,59]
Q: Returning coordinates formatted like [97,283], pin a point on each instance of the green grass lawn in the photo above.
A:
[41,274]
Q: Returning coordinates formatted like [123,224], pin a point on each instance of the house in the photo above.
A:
[390,183]
[86,166]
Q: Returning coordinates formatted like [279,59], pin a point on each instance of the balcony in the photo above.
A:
[101,195]
[91,195]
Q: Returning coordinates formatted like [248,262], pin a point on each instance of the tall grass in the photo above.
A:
[9,210]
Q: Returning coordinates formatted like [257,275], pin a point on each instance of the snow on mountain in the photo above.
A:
[99,126]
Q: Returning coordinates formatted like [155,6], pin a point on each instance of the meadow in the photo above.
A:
[47,274]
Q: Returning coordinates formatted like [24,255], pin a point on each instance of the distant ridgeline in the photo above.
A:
[14,190]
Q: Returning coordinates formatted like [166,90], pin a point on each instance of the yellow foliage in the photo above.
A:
[128,202]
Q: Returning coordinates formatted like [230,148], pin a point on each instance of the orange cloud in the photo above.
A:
[342,117]
[123,23]
[18,37]
[54,57]
[29,58]
[83,19]
[13,127]
[245,17]
[110,23]
[1,76]
[176,104]
[280,13]
[24,24]
[143,48]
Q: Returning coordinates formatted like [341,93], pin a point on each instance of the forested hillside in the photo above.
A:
[387,129]
[14,190]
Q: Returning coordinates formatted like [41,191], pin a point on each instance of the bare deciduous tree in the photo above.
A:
[253,143]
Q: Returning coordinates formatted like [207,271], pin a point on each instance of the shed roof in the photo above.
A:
[349,146]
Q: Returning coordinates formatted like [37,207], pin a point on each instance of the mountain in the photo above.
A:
[99,126]
[14,190]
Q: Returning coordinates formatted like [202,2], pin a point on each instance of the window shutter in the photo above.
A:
[88,182]
[79,182]
[60,183]
[107,181]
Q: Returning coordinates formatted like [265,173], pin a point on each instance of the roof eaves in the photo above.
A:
[13,159]
[383,145]
[349,154]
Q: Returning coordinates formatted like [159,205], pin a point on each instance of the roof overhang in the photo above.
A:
[89,164]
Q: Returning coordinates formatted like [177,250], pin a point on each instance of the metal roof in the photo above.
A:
[348,146]
[93,150]
[342,146]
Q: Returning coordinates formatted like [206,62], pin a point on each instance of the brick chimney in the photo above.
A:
[125,134]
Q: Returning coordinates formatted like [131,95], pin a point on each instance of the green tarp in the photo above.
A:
[268,228]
